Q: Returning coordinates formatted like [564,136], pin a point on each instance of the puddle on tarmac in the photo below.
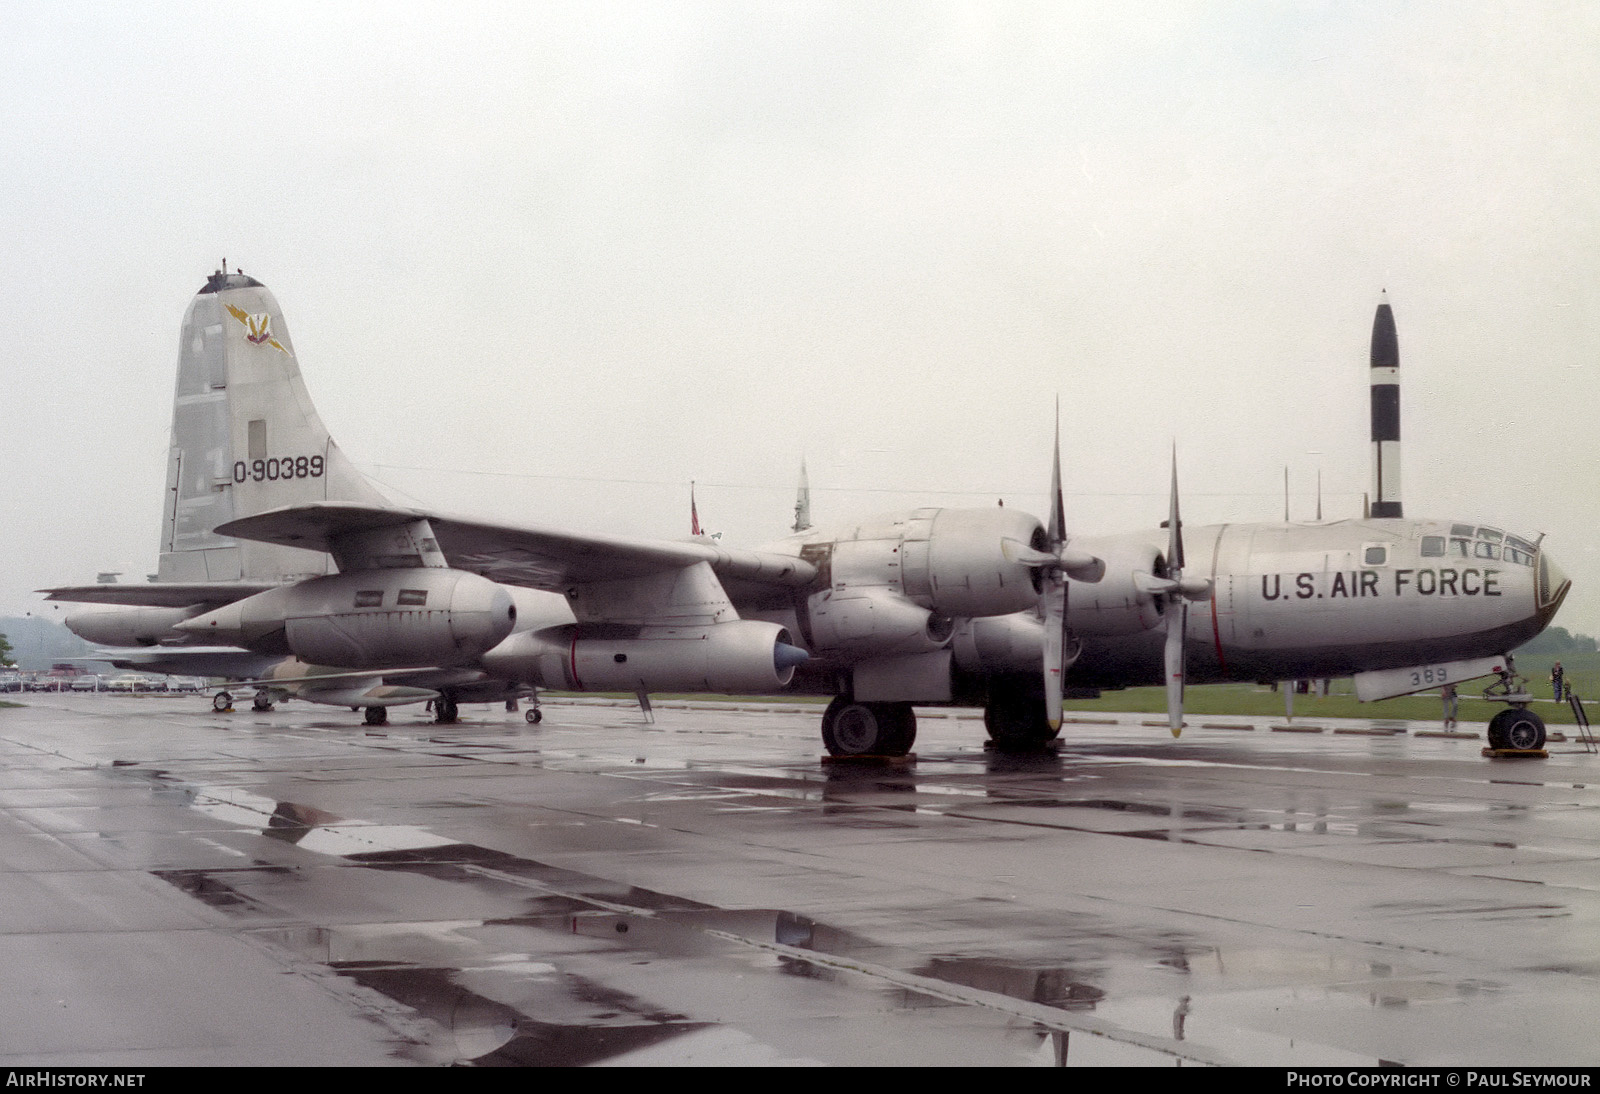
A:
[482,996]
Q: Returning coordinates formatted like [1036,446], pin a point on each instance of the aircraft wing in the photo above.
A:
[160,594]
[535,558]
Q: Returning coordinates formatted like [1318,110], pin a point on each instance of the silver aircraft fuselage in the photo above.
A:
[1289,601]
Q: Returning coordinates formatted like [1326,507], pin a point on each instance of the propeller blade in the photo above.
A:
[1174,524]
[1150,583]
[1057,530]
[1177,619]
[1055,643]
[1177,606]
[1080,565]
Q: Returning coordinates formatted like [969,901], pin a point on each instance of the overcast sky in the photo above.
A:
[548,263]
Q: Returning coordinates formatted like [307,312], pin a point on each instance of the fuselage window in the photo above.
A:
[1432,546]
[412,598]
[1375,556]
[369,598]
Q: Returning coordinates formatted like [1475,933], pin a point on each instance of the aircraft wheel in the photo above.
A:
[903,727]
[377,716]
[534,716]
[261,703]
[850,728]
[445,710]
[1516,729]
[222,702]
[1016,720]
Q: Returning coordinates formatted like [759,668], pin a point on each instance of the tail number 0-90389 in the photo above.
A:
[278,467]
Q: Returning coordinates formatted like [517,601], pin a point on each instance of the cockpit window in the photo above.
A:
[1461,548]
[1493,535]
[1485,550]
[1375,555]
[1462,530]
[1432,546]
[1520,551]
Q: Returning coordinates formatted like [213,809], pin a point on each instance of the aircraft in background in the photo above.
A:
[275,544]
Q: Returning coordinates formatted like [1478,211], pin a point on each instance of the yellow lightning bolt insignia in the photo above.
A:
[258,328]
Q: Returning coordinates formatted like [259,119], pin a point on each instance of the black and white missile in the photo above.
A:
[1385,413]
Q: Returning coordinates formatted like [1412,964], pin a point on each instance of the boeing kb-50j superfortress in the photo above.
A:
[282,564]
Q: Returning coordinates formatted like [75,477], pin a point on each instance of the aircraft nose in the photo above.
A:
[1551,587]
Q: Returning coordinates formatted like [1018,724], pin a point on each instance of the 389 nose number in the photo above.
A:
[278,467]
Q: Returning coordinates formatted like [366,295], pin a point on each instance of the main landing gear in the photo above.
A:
[445,710]
[377,716]
[850,728]
[1015,719]
[1515,729]
[222,702]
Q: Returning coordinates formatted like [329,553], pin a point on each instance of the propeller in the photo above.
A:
[1055,591]
[1057,563]
[1175,591]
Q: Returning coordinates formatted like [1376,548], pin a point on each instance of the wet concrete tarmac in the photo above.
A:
[183,887]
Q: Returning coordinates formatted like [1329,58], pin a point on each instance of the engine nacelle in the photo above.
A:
[742,655]
[954,562]
[874,621]
[1115,604]
[112,626]
[369,619]
[1001,644]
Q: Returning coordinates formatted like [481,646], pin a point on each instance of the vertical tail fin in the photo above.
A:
[245,439]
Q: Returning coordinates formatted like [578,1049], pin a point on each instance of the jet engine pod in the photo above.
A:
[954,561]
[114,626]
[744,655]
[369,619]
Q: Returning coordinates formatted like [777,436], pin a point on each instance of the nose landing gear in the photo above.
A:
[1516,729]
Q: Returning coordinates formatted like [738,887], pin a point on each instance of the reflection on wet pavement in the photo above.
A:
[610,893]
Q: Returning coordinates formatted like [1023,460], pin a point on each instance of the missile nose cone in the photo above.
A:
[1385,343]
